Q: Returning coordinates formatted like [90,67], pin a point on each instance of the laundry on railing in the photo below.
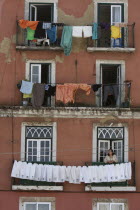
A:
[26,87]
[66,93]
[72,174]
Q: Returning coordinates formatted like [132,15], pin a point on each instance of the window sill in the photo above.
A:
[38,188]
[32,48]
[102,189]
[111,49]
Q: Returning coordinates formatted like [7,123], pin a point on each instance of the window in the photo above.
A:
[41,73]
[109,14]
[41,12]
[37,206]
[110,206]
[38,143]
[110,137]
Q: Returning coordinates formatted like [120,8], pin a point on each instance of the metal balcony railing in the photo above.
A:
[129,183]
[25,182]
[107,96]
[23,43]
[104,40]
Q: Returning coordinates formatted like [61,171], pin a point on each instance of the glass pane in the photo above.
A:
[42,158]
[35,79]
[42,143]
[47,159]
[35,144]
[35,70]
[30,158]
[34,151]
[29,143]
[30,151]
[47,143]
[34,158]
[43,206]
[47,151]
[116,207]
[104,206]
[30,207]
[116,15]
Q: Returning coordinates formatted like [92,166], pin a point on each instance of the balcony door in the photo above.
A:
[111,85]
[108,14]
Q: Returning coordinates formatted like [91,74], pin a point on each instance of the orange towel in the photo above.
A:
[66,93]
[26,23]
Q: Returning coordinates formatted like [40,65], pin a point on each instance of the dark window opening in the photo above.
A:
[111,86]
[41,12]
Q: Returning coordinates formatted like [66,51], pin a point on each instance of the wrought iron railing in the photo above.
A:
[104,40]
[21,39]
[111,184]
[25,182]
[107,96]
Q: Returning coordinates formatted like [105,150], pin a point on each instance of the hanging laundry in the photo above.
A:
[66,40]
[121,25]
[26,87]
[46,87]
[105,26]
[51,91]
[46,25]
[115,32]
[72,174]
[27,95]
[30,34]
[40,32]
[51,34]
[95,31]
[110,90]
[96,87]
[80,31]
[26,23]
[38,95]
[66,93]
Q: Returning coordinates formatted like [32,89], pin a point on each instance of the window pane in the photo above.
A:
[30,158]
[47,159]
[104,206]
[116,207]
[47,143]
[42,159]
[30,143]
[35,79]
[30,207]
[42,143]
[35,70]
[34,158]
[35,151]
[43,206]
[116,15]
[35,144]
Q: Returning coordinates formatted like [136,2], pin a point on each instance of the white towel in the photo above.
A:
[26,87]
[87,31]
[77,31]
[32,171]
[28,170]
[16,169]
[62,174]
[55,174]
[68,173]
[22,174]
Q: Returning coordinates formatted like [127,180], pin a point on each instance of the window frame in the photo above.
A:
[39,3]
[111,141]
[110,204]
[31,72]
[39,148]
[37,203]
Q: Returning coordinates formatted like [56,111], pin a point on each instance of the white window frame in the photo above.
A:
[23,138]
[94,140]
[38,62]
[39,66]
[35,18]
[39,148]
[96,2]
[122,149]
[113,6]
[108,141]
[110,204]
[37,203]
[27,7]
[99,74]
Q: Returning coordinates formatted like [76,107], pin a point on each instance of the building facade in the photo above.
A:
[70,134]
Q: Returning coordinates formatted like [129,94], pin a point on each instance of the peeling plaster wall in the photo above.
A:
[12,62]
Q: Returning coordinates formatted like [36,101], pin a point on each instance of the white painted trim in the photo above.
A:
[94,140]
[29,188]
[98,74]
[125,2]
[54,139]
[53,68]
[103,189]
[55,2]
[111,49]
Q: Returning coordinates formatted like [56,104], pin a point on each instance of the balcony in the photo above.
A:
[23,44]
[112,186]
[114,96]
[24,184]
[105,43]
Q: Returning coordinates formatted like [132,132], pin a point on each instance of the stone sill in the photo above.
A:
[32,48]
[37,188]
[113,189]
[111,49]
